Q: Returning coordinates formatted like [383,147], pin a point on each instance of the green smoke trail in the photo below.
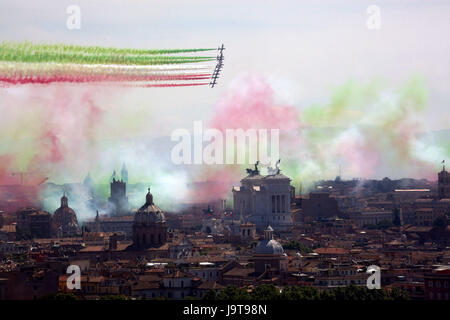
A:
[33,53]
[64,48]
[98,59]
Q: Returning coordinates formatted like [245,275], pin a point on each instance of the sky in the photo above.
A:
[313,60]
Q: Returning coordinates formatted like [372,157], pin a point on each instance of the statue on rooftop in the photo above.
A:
[255,171]
[276,170]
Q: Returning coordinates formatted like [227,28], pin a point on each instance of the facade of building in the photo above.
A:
[319,205]
[247,231]
[437,284]
[150,226]
[112,224]
[264,200]
[371,217]
[33,223]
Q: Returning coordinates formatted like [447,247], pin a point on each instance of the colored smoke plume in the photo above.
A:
[63,132]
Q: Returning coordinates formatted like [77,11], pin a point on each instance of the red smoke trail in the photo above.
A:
[167,85]
[100,78]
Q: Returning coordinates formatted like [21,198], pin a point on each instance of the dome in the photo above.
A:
[149,213]
[269,246]
[64,211]
[64,220]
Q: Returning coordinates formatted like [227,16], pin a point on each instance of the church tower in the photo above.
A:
[118,199]
[443,183]
[113,176]
[124,173]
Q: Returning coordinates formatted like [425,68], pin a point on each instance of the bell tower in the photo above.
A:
[443,183]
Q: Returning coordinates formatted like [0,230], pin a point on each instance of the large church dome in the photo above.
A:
[269,245]
[64,220]
[149,213]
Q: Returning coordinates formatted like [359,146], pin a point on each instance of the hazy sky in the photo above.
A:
[304,48]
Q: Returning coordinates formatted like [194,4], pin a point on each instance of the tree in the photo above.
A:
[295,245]
[60,296]
[299,293]
[265,292]
[114,297]
[233,293]
[210,295]
[398,294]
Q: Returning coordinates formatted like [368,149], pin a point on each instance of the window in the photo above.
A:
[273,204]
[182,283]
[278,203]
[283,203]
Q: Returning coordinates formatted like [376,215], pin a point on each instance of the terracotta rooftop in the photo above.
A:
[211,285]
[337,251]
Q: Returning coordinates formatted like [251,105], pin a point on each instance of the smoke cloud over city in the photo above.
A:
[369,130]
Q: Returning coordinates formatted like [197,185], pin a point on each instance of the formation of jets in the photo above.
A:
[219,66]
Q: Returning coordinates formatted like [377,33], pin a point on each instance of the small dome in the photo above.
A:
[269,246]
